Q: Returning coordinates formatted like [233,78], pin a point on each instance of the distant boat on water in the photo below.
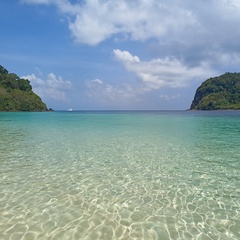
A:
[69,110]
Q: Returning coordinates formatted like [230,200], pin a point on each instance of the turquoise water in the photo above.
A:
[120,175]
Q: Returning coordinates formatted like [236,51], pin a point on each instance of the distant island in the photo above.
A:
[218,93]
[16,94]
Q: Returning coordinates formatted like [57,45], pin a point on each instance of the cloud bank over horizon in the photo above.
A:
[165,72]
[49,86]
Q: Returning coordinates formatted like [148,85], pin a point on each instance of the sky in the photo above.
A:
[119,54]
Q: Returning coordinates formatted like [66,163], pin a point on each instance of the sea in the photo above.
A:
[120,175]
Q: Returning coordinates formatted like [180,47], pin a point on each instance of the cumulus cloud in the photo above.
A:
[126,96]
[97,20]
[184,40]
[192,30]
[165,72]
[50,87]
[168,97]
[168,72]
[106,93]
[125,56]
[94,21]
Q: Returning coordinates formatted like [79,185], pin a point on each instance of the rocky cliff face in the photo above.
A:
[218,93]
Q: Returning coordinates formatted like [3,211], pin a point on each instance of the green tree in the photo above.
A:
[24,85]
[16,94]
[221,92]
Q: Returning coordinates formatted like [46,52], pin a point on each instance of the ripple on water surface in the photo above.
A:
[128,186]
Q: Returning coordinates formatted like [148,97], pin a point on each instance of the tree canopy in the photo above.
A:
[218,93]
[16,94]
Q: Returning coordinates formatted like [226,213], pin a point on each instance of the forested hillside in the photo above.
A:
[16,94]
[218,93]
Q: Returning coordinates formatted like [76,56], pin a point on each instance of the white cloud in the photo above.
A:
[126,96]
[96,20]
[194,30]
[109,94]
[64,6]
[51,87]
[38,1]
[165,72]
[125,56]
[168,97]
[155,74]
[185,40]
[93,21]
[227,59]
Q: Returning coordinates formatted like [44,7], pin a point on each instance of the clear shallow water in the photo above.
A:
[120,175]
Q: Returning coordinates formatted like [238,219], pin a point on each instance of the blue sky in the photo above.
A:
[106,54]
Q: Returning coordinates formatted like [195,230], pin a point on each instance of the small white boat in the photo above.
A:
[69,110]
